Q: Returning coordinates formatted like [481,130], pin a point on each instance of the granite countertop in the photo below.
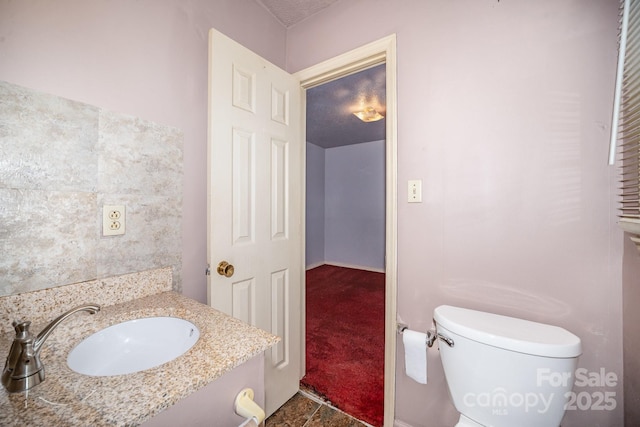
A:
[67,398]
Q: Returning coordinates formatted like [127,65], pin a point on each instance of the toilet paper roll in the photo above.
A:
[415,355]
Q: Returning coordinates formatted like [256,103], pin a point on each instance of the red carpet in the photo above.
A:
[345,340]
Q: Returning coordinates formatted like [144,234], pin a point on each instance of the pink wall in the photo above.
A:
[503,112]
[146,58]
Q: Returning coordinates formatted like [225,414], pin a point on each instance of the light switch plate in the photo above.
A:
[415,191]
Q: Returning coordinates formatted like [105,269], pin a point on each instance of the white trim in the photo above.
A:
[619,81]
[630,225]
[350,62]
[355,267]
[314,265]
[381,51]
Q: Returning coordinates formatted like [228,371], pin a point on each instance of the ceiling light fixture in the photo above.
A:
[369,114]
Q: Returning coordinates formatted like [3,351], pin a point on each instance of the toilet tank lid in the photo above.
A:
[509,333]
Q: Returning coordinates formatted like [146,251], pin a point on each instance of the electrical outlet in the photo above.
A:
[114,214]
[113,220]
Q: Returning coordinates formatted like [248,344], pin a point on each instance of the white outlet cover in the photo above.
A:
[113,220]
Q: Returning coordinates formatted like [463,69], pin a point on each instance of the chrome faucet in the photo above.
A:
[23,368]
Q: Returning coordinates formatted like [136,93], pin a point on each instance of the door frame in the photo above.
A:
[377,52]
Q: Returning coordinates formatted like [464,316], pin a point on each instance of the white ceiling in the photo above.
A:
[290,12]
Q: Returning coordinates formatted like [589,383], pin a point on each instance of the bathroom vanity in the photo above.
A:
[198,386]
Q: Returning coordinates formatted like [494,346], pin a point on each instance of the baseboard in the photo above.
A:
[398,423]
[339,264]
[312,266]
[356,267]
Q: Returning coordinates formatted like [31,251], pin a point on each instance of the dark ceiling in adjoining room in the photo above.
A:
[330,108]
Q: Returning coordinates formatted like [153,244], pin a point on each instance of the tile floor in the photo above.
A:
[306,410]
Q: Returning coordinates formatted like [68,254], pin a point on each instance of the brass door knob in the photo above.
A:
[225,269]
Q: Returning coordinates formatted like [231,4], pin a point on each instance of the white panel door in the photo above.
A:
[255,203]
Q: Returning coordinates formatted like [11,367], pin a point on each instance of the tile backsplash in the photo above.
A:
[60,162]
[42,306]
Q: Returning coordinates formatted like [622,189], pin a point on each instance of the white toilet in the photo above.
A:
[505,372]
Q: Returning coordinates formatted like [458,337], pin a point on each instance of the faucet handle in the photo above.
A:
[23,368]
[22,329]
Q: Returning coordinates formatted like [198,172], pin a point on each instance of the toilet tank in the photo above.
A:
[503,371]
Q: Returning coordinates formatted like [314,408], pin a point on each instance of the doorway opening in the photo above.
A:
[345,243]
[380,53]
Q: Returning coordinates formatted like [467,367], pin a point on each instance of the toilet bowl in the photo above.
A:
[505,372]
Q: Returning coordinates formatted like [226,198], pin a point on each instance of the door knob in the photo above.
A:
[225,269]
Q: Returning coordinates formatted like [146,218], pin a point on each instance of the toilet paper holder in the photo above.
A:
[245,406]
[431,335]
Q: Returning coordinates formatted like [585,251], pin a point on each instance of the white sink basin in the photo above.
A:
[133,346]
